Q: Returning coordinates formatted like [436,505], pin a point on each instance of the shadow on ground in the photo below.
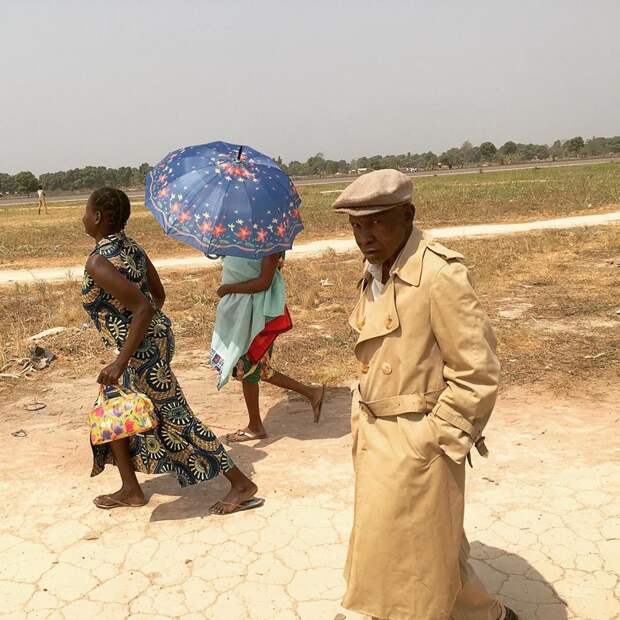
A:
[517,584]
[289,419]
[195,501]
[292,417]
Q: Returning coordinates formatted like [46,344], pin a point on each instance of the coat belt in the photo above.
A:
[413,403]
[395,405]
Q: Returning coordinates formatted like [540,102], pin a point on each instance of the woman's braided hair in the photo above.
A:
[114,203]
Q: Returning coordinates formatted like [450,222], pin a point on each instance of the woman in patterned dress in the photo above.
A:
[123,295]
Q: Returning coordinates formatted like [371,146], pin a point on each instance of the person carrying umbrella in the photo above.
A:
[253,296]
[234,202]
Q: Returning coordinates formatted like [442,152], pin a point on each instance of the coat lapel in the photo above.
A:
[375,319]
[408,267]
[380,316]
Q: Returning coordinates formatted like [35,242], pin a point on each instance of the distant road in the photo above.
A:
[342,179]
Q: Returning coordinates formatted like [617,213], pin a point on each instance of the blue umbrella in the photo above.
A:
[225,199]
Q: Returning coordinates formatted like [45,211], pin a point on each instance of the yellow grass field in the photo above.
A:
[27,240]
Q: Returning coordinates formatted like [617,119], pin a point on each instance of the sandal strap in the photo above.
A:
[245,434]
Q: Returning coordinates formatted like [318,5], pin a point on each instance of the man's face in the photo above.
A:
[382,235]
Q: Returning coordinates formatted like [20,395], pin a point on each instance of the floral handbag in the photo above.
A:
[121,416]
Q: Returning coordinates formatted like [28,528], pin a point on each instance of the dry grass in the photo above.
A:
[27,240]
[487,197]
[567,334]
[569,329]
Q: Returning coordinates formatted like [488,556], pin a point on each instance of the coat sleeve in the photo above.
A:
[471,368]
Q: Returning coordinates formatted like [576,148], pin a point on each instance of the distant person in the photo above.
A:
[42,199]
[250,315]
[123,295]
[428,382]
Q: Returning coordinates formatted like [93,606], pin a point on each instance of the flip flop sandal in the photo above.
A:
[317,415]
[114,503]
[37,406]
[241,436]
[248,504]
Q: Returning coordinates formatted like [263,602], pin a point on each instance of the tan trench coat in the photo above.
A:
[429,377]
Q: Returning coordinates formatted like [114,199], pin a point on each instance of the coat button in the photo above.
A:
[387,369]
[360,324]
[389,322]
[365,368]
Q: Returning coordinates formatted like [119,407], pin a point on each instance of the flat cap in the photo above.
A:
[375,192]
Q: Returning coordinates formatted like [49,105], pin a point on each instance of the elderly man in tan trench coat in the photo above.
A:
[428,383]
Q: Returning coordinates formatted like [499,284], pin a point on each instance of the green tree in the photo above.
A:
[508,149]
[527,152]
[556,150]
[475,155]
[331,166]
[144,169]
[452,158]
[296,168]
[574,145]
[7,183]
[467,151]
[613,145]
[316,164]
[123,176]
[376,162]
[596,147]
[25,182]
[488,151]
[429,160]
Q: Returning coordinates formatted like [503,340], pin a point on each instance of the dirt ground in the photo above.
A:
[543,513]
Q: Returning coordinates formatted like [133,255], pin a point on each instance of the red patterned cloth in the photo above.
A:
[266,338]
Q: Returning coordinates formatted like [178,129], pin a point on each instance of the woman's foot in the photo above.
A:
[316,401]
[247,434]
[123,498]
[239,493]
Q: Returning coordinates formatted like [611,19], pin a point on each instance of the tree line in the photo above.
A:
[467,154]
[76,179]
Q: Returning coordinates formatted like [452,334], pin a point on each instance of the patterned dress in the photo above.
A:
[180,443]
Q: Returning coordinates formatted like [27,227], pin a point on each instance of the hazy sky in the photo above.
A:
[120,82]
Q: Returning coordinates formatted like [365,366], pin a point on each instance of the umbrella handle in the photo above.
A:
[239,153]
[212,256]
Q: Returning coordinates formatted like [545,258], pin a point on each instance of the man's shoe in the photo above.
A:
[510,615]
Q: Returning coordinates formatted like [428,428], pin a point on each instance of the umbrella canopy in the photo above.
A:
[225,199]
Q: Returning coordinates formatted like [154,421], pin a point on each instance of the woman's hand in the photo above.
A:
[261,283]
[111,373]
[224,290]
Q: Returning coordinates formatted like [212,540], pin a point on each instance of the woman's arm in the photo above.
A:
[255,285]
[155,285]
[129,295]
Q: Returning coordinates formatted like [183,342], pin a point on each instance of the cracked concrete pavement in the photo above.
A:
[543,513]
